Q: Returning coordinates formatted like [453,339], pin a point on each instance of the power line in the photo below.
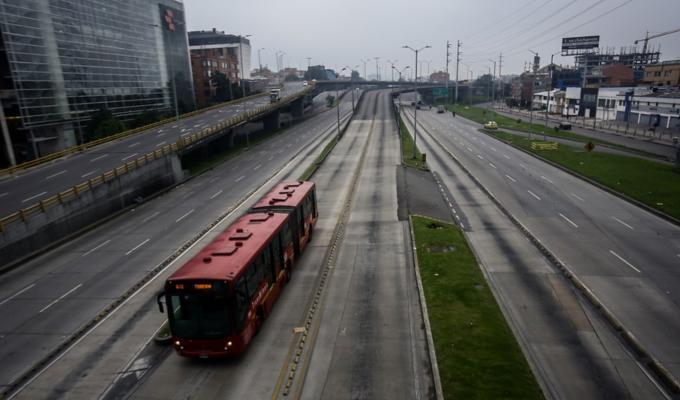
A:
[513,24]
[579,26]
[570,18]
[495,45]
[505,18]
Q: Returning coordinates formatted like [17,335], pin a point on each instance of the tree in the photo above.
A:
[146,118]
[102,124]
[221,82]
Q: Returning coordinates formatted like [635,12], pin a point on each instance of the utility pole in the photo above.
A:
[377,73]
[259,58]
[415,109]
[457,62]
[493,82]
[364,61]
[309,62]
[500,78]
[448,45]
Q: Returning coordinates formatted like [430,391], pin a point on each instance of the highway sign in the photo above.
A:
[439,92]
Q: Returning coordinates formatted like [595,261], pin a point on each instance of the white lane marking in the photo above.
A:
[151,216]
[240,178]
[183,129]
[522,165]
[128,157]
[492,166]
[160,134]
[96,248]
[161,130]
[511,178]
[506,156]
[480,157]
[99,158]
[197,125]
[273,178]
[160,144]
[17,294]
[216,194]
[534,194]
[4,194]
[578,197]
[257,167]
[55,174]
[543,177]
[185,215]
[568,220]
[624,260]
[268,159]
[60,298]
[623,223]
[289,144]
[138,246]
[493,149]
[89,173]
[469,149]
[174,126]
[135,144]
[33,197]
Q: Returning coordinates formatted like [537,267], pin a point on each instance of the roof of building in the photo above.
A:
[199,38]
[234,249]
[285,194]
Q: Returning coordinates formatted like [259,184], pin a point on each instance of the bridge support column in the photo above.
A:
[297,108]
[271,121]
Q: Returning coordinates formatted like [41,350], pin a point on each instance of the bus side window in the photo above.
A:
[266,263]
[287,233]
[316,213]
[275,246]
[252,279]
[242,301]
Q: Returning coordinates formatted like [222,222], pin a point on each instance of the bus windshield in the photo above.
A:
[200,315]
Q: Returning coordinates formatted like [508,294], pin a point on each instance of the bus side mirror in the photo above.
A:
[159,300]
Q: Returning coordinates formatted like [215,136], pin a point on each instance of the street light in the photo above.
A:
[351,78]
[337,101]
[551,67]
[364,61]
[393,68]
[493,84]
[415,86]
[259,58]
[240,49]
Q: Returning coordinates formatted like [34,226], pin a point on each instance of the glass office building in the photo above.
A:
[62,60]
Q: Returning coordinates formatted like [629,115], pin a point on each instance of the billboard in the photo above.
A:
[580,44]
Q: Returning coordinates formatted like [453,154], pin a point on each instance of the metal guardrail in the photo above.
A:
[544,146]
[183,142]
[97,142]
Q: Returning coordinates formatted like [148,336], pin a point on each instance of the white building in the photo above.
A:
[554,102]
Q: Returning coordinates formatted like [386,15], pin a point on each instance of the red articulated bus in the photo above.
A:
[297,199]
[218,300]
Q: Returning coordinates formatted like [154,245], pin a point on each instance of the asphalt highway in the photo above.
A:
[48,298]
[26,188]
[626,256]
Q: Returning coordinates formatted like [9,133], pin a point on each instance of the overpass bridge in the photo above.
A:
[60,194]
[425,89]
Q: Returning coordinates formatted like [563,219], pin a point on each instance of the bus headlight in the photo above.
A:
[229,343]
[177,343]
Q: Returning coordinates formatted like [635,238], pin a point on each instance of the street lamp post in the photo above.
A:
[415,87]
[337,103]
[550,69]
[240,49]
[259,58]
[392,63]
[351,78]
[364,61]
[493,83]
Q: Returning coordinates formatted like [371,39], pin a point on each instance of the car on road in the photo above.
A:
[564,125]
[440,109]
[491,125]
[304,83]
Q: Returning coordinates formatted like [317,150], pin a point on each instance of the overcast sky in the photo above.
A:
[339,34]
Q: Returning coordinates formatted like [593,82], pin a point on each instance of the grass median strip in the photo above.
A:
[478,356]
[652,183]
[407,148]
[482,115]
